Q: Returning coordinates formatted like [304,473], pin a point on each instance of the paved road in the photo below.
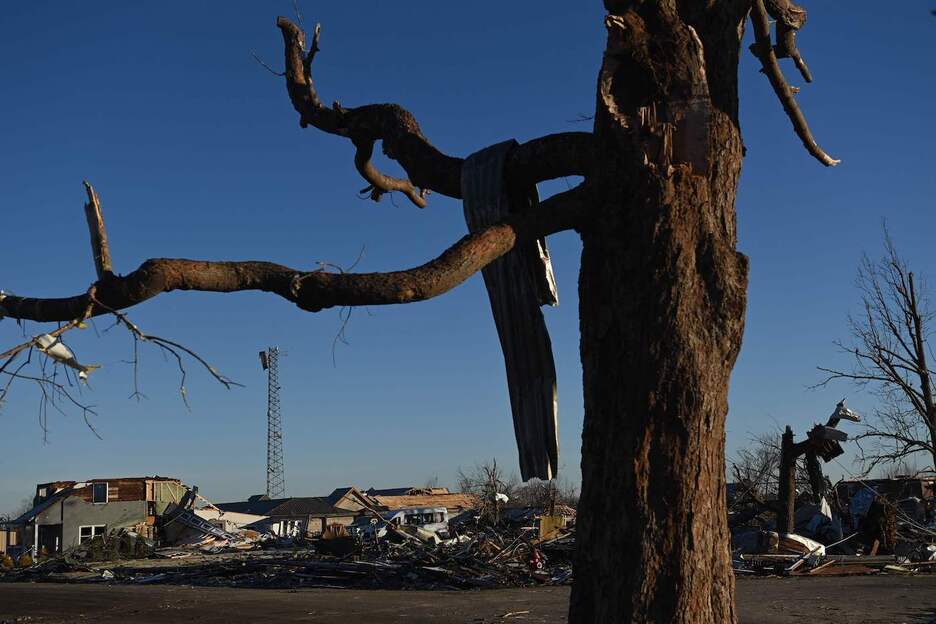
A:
[855,600]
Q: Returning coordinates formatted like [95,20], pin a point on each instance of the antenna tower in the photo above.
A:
[275,474]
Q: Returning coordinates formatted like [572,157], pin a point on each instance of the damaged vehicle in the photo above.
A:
[432,519]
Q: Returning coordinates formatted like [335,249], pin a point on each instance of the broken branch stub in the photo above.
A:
[790,18]
[314,290]
[765,52]
[100,249]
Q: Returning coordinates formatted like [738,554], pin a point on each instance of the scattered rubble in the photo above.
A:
[855,527]
[471,555]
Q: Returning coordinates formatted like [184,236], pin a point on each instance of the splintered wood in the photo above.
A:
[100,249]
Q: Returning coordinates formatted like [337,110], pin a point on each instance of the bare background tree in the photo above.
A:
[488,482]
[487,479]
[902,468]
[757,466]
[890,346]
[25,504]
[547,494]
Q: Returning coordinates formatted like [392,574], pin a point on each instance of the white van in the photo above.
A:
[433,519]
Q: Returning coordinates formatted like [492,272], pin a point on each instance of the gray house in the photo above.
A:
[69,513]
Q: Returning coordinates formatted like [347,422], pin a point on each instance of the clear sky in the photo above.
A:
[196,152]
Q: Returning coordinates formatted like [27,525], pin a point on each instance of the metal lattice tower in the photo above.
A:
[276,472]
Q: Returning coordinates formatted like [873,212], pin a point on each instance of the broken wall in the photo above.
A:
[77,513]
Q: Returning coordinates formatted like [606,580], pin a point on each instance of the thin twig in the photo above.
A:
[170,346]
[265,66]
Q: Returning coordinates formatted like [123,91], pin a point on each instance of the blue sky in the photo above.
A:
[196,152]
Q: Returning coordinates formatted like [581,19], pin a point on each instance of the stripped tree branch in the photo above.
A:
[168,346]
[315,290]
[49,386]
[76,321]
[764,51]
[790,18]
[381,183]
[264,65]
[49,389]
[553,156]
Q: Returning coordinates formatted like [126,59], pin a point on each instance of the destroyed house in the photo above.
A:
[408,498]
[350,498]
[893,489]
[69,513]
[914,496]
[407,491]
[289,517]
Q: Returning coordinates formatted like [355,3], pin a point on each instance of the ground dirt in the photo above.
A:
[875,599]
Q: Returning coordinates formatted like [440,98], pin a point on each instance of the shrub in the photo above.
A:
[141,549]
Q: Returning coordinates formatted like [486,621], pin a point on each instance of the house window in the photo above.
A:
[88,533]
[99,492]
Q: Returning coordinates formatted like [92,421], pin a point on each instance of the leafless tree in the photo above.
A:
[489,483]
[547,494]
[890,346]
[25,504]
[901,468]
[757,466]
[662,285]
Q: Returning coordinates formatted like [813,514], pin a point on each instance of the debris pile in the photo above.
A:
[799,523]
[863,527]
[406,557]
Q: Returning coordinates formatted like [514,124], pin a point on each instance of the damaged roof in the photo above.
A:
[38,509]
[451,501]
[294,506]
[63,484]
[407,491]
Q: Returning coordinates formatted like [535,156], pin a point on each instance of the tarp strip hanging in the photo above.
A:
[517,284]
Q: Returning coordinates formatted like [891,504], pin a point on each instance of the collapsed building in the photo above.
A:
[69,513]
[350,538]
[310,516]
[825,525]
[397,499]
[297,516]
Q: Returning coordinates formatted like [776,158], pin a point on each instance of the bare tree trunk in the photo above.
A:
[662,294]
[786,489]
[918,332]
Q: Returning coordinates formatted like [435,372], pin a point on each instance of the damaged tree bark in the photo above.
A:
[662,293]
